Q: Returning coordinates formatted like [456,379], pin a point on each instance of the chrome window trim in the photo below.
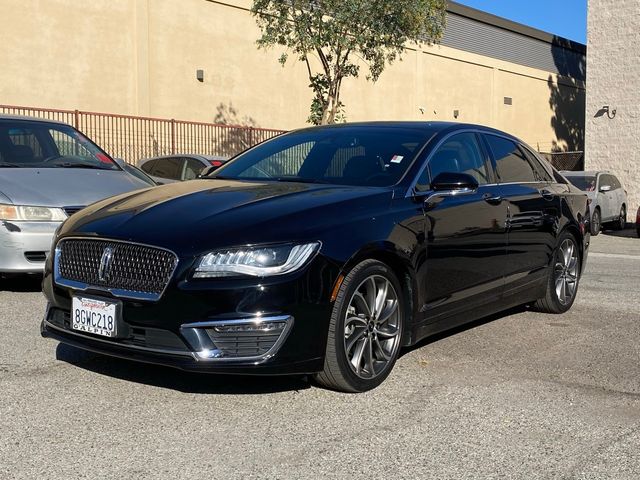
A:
[213,355]
[116,292]
[411,191]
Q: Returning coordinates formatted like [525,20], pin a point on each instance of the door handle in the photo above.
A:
[546,194]
[492,199]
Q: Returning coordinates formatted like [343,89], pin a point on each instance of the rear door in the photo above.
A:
[465,234]
[534,211]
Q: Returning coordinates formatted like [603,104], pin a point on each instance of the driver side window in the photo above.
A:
[460,153]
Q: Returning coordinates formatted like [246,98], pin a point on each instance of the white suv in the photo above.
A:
[608,198]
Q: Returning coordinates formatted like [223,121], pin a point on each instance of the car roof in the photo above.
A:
[23,118]
[575,173]
[431,126]
[203,158]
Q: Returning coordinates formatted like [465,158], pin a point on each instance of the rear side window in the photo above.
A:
[148,166]
[170,168]
[192,169]
[543,172]
[511,162]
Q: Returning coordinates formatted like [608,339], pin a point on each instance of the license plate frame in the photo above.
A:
[102,316]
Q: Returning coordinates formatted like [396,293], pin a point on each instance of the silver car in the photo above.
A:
[48,171]
[178,168]
[608,198]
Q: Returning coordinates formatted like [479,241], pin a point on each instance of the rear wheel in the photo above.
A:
[564,277]
[622,220]
[596,222]
[365,331]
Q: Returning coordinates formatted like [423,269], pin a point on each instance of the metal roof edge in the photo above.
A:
[494,20]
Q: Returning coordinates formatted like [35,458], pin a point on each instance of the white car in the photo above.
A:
[608,198]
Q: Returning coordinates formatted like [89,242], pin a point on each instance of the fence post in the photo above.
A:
[173,136]
[76,119]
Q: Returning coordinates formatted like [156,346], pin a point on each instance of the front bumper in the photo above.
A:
[25,245]
[199,325]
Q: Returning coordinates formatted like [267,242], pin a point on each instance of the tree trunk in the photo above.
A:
[332,104]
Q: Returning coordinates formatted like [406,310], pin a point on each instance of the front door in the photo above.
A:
[465,234]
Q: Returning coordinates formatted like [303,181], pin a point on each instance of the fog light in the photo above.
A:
[251,327]
[206,354]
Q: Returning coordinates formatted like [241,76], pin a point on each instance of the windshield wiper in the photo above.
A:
[79,165]
[10,165]
[298,180]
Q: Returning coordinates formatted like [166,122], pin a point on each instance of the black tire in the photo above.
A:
[338,373]
[551,303]
[596,222]
[621,223]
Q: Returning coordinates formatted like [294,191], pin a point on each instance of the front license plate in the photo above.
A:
[94,316]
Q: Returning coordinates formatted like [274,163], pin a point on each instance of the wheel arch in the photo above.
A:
[402,268]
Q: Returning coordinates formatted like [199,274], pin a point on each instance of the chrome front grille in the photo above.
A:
[126,269]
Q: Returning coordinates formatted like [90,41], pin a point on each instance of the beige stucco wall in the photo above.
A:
[140,57]
[614,80]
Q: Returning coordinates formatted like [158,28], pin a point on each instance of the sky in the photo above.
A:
[566,18]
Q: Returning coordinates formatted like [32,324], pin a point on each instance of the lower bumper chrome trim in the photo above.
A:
[206,350]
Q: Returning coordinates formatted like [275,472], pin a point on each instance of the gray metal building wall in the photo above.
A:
[553,54]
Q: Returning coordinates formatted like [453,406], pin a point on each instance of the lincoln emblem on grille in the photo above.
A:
[105,264]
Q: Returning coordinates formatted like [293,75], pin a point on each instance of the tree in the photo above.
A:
[338,33]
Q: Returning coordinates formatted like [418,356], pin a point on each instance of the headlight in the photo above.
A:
[32,214]
[255,261]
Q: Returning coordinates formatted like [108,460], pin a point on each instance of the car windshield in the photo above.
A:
[25,144]
[353,155]
[586,183]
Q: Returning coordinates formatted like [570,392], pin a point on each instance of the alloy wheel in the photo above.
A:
[595,222]
[566,271]
[372,327]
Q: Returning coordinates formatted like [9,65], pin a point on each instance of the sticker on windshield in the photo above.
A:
[397,159]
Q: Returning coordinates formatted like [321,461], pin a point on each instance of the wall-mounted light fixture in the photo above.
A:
[610,112]
[456,113]
[200,75]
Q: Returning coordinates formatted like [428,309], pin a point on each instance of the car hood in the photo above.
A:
[199,215]
[60,187]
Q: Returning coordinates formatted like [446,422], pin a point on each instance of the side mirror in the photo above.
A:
[454,183]
[207,171]
[605,188]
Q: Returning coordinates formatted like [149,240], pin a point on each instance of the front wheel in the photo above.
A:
[365,331]
[596,222]
[564,277]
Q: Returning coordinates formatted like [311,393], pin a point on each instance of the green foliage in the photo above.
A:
[338,33]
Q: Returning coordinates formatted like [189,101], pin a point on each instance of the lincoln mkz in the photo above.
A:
[321,252]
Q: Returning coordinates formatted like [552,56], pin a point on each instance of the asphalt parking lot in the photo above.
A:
[521,395]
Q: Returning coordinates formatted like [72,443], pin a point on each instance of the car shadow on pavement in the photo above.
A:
[186,382]
[629,232]
[21,283]
[463,328]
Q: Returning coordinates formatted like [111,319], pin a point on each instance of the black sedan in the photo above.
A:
[323,251]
